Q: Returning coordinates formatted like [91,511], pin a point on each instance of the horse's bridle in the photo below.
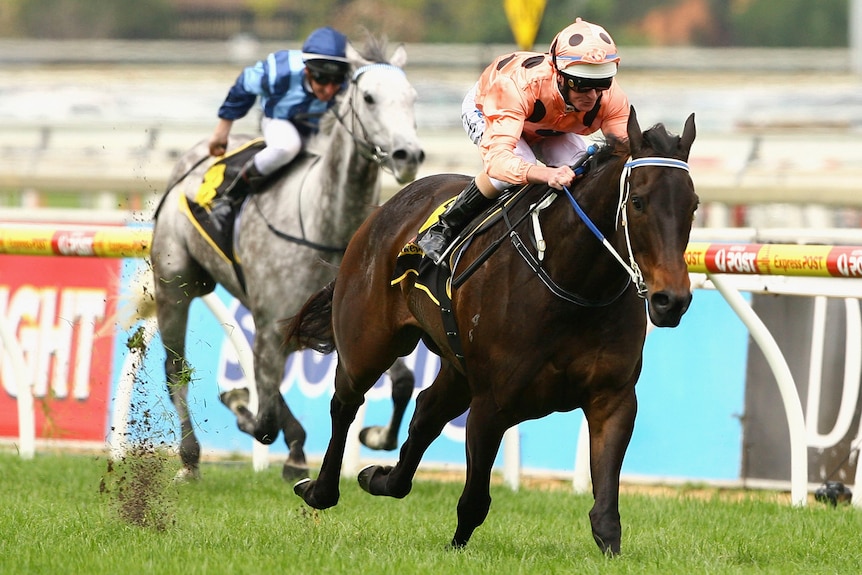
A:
[369,151]
[631,267]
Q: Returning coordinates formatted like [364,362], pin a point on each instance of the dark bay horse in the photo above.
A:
[564,332]
[289,240]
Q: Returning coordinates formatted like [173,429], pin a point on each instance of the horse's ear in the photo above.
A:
[687,139]
[636,137]
[355,57]
[399,57]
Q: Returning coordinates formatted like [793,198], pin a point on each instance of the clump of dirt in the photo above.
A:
[141,488]
[139,484]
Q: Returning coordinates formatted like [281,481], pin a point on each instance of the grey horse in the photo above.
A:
[289,239]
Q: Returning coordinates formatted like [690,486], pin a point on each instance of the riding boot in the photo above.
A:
[436,239]
[248,181]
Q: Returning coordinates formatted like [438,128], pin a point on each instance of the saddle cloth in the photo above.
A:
[411,259]
[219,234]
[213,184]
[436,280]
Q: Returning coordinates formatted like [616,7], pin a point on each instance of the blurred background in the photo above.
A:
[99,97]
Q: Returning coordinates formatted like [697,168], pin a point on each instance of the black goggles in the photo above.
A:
[587,84]
[323,78]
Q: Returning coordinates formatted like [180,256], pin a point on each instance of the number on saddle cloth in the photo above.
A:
[222,173]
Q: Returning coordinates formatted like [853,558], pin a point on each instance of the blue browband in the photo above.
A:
[662,162]
[362,69]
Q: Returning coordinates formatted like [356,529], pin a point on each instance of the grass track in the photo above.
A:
[54,520]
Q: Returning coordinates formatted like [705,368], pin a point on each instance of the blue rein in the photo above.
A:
[632,267]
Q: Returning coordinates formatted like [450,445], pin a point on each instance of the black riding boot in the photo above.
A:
[247,182]
[466,206]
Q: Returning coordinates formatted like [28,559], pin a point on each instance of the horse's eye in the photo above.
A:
[369,99]
[637,203]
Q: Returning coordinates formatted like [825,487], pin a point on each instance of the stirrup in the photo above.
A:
[440,243]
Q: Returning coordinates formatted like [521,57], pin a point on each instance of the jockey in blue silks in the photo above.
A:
[295,88]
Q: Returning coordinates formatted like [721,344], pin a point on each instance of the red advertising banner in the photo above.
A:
[60,310]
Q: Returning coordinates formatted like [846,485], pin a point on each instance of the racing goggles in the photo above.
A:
[324,78]
[583,85]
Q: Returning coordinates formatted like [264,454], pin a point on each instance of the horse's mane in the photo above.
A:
[661,140]
[375,48]
[614,148]
[327,121]
[657,137]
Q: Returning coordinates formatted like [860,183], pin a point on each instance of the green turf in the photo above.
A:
[56,519]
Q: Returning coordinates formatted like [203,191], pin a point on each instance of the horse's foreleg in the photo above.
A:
[386,437]
[446,399]
[484,434]
[172,313]
[323,492]
[178,389]
[611,425]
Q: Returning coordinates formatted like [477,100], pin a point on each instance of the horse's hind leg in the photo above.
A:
[447,398]
[611,424]
[386,437]
[323,492]
[273,414]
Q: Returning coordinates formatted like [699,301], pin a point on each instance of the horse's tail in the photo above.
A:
[311,328]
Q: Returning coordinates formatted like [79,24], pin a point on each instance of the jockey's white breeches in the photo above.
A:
[562,150]
[283,144]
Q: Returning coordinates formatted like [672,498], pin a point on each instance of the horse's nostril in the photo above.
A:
[402,155]
[660,300]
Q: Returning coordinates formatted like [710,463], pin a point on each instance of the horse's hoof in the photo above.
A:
[265,438]
[457,544]
[245,421]
[366,479]
[377,437]
[366,474]
[235,399]
[291,472]
[303,488]
[187,475]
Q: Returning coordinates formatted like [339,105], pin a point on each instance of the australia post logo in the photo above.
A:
[57,309]
[846,262]
[733,259]
[75,244]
